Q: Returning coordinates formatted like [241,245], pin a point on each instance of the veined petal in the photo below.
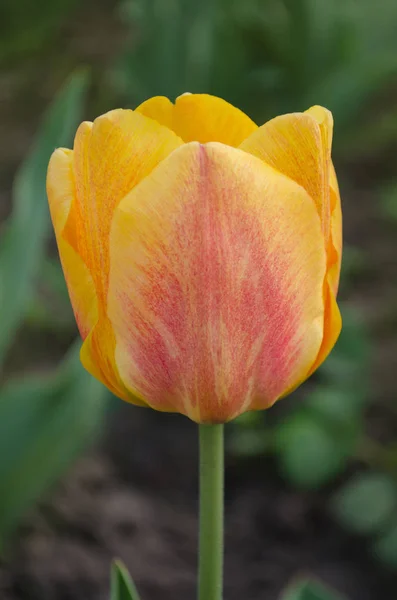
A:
[332,329]
[60,190]
[200,117]
[332,326]
[110,157]
[335,252]
[98,358]
[216,284]
[299,146]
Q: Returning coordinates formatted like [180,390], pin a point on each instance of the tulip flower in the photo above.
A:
[202,256]
[201,252]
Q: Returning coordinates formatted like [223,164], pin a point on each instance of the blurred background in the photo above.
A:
[311,484]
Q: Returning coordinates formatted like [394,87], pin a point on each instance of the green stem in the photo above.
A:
[210,571]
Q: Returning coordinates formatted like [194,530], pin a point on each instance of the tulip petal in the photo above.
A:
[110,157]
[299,146]
[332,326]
[216,284]
[60,190]
[98,358]
[332,329]
[200,117]
[335,253]
[204,118]
[158,108]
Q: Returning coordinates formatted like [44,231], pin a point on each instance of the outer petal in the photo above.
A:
[110,157]
[332,317]
[216,284]
[200,117]
[335,252]
[299,146]
[98,357]
[332,326]
[60,190]
[325,121]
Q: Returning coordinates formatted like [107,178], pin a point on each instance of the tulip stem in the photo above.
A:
[210,562]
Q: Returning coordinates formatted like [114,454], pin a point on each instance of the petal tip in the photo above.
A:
[322,115]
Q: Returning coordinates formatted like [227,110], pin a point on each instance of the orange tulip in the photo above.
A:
[201,252]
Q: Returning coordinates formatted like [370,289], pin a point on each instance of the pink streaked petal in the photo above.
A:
[217,266]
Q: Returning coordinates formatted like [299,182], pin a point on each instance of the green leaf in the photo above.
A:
[385,547]
[44,424]
[308,452]
[122,586]
[310,590]
[23,244]
[366,503]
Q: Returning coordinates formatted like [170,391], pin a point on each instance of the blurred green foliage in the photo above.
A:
[44,420]
[389,200]
[367,505]
[267,57]
[309,590]
[122,586]
[367,502]
[30,222]
[29,26]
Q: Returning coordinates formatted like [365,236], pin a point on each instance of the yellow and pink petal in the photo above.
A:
[215,300]
[85,185]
